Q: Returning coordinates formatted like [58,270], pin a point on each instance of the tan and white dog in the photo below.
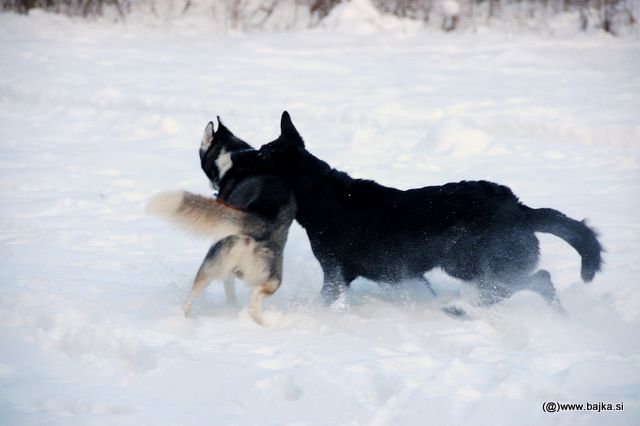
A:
[250,218]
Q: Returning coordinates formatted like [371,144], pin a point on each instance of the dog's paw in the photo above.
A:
[340,304]
[186,309]
[257,317]
[454,311]
[557,306]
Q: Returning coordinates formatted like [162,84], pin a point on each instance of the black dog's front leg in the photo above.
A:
[333,286]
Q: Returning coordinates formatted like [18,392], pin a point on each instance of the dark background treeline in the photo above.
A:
[607,15]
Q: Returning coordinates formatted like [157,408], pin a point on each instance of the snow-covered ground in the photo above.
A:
[95,118]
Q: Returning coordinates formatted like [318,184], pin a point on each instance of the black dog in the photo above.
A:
[475,231]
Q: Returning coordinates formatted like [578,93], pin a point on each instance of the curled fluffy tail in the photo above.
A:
[202,216]
[580,236]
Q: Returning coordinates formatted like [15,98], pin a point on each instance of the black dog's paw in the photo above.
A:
[454,311]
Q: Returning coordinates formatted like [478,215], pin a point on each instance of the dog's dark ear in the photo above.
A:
[207,137]
[289,131]
[222,129]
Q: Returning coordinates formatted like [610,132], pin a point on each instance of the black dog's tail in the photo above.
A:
[580,236]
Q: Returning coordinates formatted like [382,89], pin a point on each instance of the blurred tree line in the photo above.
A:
[609,15]
[604,14]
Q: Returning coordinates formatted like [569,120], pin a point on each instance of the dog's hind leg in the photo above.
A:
[506,261]
[204,276]
[541,283]
[210,269]
[495,290]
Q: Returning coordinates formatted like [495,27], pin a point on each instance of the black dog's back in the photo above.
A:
[466,203]
[386,234]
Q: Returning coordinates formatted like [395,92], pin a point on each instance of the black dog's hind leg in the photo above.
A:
[540,282]
[494,290]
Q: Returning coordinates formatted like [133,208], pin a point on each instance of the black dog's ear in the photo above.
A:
[289,131]
[207,137]
[222,128]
